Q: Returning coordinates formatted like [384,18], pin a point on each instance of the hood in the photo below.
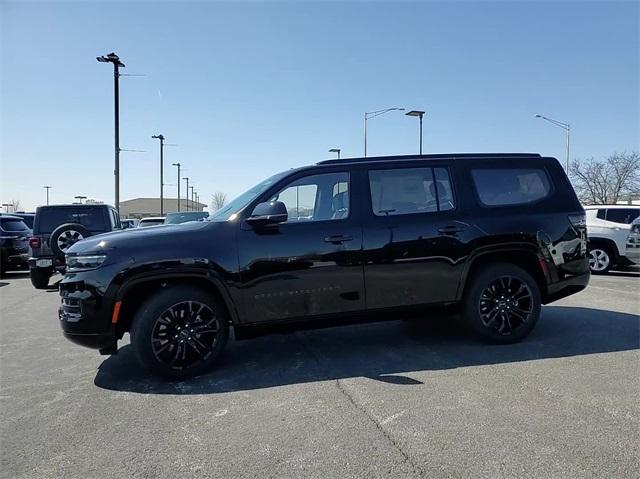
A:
[137,237]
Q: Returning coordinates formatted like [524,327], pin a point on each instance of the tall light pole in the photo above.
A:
[80,198]
[7,205]
[47,188]
[187,194]
[193,206]
[335,150]
[372,114]
[566,127]
[419,114]
[178,165]
[117,64]
[161,138]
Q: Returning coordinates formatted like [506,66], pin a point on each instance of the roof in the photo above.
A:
[609,207]
[437,156]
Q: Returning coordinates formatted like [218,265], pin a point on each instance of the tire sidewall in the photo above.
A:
[145,319]
[53,240]
[39,278]
[608,253]
[472,298]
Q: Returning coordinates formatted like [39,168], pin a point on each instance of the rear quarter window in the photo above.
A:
[13,225]
[510,186]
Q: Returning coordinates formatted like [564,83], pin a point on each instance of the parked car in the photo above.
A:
[494,236]
[57,228]
[28,218]
[608,227]
[633,242]
[128,223]
[151,221]
[184,216]
[14,251]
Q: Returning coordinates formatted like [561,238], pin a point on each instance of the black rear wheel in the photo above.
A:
[180,332]
[40,277]
[502,303]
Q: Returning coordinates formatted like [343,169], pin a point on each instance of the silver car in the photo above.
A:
[633,242]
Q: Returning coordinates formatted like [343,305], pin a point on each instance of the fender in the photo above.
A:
[184,269]
[505,248]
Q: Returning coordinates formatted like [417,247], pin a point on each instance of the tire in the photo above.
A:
[601,259]
[501,318]
[40,278]
[65,236]
[160,317]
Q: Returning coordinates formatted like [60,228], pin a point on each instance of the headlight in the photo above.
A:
[84,262]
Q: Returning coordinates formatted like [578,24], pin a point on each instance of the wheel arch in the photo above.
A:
[133,292]
[608,242]
[526,258]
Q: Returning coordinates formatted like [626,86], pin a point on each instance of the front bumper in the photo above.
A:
[85,313]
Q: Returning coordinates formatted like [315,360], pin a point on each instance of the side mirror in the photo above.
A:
[268,213]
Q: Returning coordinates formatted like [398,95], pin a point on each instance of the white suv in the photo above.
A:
[608,228]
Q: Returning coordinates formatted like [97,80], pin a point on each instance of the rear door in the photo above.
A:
[414,235]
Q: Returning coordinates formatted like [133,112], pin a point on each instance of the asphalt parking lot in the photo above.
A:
[381,400]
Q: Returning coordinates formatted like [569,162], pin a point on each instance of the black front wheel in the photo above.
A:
[502,303]
[180,332]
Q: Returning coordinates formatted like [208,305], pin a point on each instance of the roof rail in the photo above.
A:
[442,156]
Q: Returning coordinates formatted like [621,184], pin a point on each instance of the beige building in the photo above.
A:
[144,207]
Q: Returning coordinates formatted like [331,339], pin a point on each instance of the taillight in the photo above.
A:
[34,242]
[578,220]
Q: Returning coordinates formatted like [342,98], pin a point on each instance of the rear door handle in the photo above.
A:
[452,229]
[338,239]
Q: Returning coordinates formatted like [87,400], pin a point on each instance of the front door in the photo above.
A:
[310,264]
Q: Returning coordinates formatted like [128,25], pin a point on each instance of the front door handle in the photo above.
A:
[338,239]
[452,229]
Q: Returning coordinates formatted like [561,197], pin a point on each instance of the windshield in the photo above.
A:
[224,213]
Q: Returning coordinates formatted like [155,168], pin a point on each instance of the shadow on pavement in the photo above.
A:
[380,351]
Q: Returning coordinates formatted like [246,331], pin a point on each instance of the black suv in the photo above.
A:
[13,243]
[491,235]
[57,227]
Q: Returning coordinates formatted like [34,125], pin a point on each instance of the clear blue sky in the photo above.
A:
[249,89]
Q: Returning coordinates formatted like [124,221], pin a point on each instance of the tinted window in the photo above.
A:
[9,224]
[176,218]
[503,186]
[316,197]
[410,190]
[622,215]
[602,214]
[50,218]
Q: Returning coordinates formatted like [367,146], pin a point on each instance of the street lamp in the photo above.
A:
[566,127]
[80,198]
[6,205]
[193,206]
[187,194]
[178,165]
[113,58]
[373,114]
[47,188]
[161,138]
[335,150]
[419,114]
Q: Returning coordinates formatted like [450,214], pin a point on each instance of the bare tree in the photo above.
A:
[615,178]
[218,200]
[16,205]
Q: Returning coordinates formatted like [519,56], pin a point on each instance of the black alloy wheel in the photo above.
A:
[502,303]
[180,332]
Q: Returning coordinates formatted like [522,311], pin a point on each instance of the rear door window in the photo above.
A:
[403,191]
[622,215]
[91,218]
[510,186]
